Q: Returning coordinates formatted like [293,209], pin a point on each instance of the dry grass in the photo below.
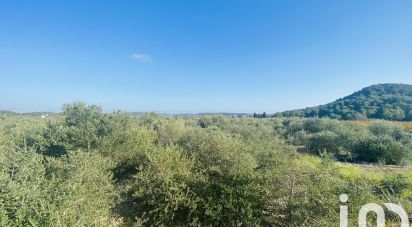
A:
[365,123]
[407,125]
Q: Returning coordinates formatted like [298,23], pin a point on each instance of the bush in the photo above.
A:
[86,125]
[162,190]
[76,190]
[212,180]
[170,131]
[375,149]
[325,141]
[89,168]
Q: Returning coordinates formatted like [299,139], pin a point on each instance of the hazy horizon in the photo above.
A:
[198,57]
[107,110]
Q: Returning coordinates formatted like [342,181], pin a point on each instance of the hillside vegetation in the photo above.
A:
[382,101]
[89,168]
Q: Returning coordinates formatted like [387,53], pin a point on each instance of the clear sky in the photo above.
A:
[199,56]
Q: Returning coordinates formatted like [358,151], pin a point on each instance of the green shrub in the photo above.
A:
[325,141]
[89,168]
[375,149]
[76,190]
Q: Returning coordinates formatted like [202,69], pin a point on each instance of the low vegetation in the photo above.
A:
[89,168]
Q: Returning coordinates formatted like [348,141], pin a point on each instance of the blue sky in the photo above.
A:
[199,56]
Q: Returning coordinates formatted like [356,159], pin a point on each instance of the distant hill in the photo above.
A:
[382,101]
[223,114]
[6,112]
[31,114]
[38,114]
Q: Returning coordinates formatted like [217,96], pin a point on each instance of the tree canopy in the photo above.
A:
[382,101]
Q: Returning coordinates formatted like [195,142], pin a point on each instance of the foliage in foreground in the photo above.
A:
[92,168]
